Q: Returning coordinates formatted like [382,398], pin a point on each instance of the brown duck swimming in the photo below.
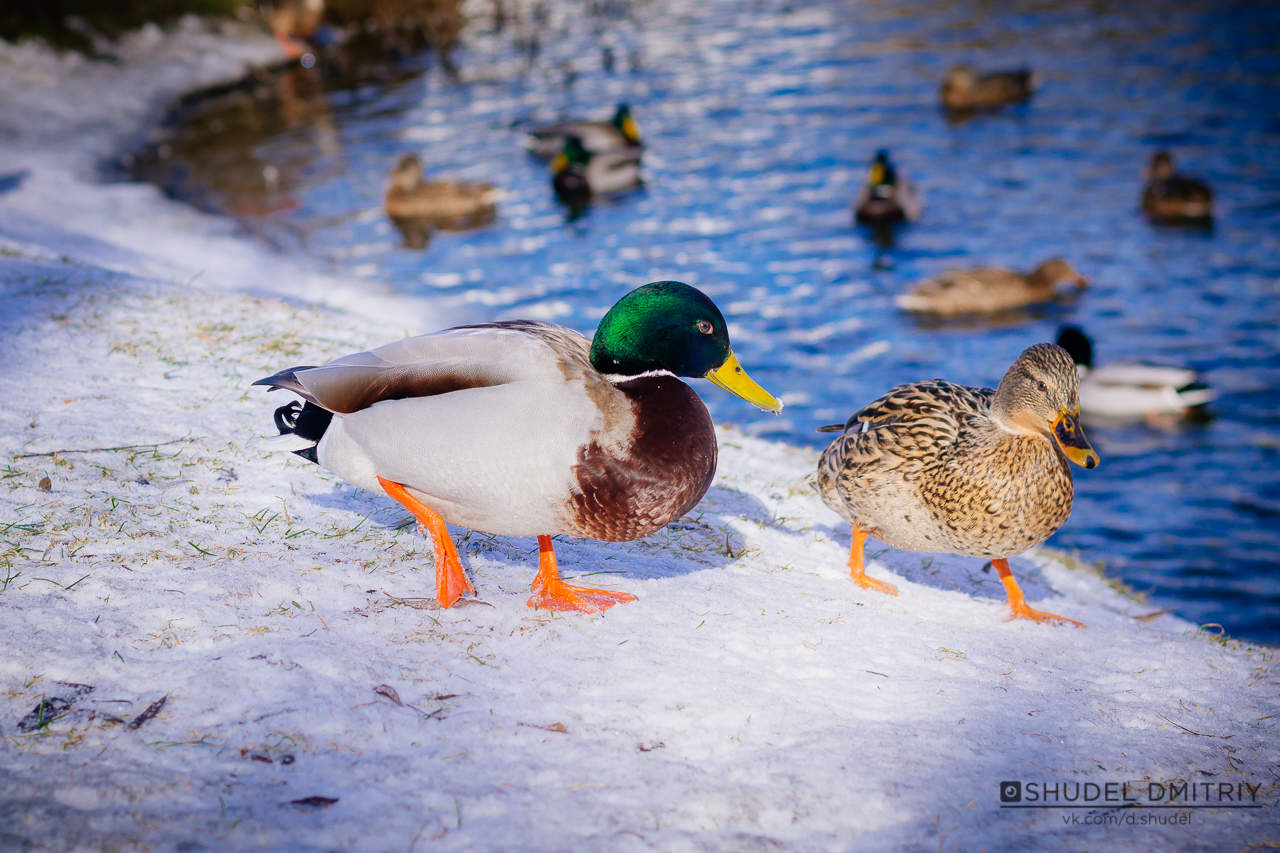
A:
[964,89]
[449,205]
[522,428]
[939,467]
[987,290]
[1170,197]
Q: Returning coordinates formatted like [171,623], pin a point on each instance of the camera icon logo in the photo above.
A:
[1010,792]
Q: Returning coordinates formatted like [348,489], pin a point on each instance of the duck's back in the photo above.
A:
[1177,197]
[983,289]
[546,142]
[445,204]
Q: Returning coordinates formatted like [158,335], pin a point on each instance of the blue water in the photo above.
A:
[760,119]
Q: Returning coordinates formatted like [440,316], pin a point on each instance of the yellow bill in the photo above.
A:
[559,164]
[1070,437]
[630,130]
[731,377]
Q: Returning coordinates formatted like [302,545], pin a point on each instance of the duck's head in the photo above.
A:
[959,78]
[574,153]
[1160,167]
[670,326]
[407,174]
[882,172]
[1039,395]
[626,124]
[1077,344]
[1057,271]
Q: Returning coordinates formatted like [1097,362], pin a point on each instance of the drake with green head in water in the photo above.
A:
[578,174]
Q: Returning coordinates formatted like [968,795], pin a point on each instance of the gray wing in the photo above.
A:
[455,359]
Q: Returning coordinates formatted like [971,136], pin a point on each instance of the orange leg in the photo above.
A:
[858,571]
[1018,601]
[451,581]
[551,593]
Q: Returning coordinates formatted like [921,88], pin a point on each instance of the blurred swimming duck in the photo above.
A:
[963,88]
[620,131]
[450,205]
[986,290]
[1129,390]
[1172,198]
[578,174]
[523,428]
[887,196]
[940,467]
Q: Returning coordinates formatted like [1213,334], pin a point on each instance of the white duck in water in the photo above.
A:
[1131,390]
[522,428]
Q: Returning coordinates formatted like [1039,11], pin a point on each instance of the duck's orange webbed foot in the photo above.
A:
[551,593]
[1018,601]
[857,571]
[451,581]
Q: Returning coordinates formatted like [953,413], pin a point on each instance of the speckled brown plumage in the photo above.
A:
[929,467]
[664,471]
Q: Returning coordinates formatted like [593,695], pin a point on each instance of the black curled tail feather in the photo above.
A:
[305,420]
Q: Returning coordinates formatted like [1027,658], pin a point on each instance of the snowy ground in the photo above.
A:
[752,698]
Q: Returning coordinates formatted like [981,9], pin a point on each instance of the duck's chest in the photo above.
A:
[1009,498]
[630,485]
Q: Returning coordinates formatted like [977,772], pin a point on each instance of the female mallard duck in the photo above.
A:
[1131,390]
[451,205]
[965,89]
[887,196]
[522,428]
[934,466]
[1172,198]
[987,290]
[577,174]
[618,132]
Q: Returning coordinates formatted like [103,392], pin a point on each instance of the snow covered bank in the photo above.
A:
[210,647]
[752,696]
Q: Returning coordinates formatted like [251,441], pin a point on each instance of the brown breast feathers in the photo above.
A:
[633,490]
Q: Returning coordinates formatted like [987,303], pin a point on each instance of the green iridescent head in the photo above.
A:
[626,124]
[668,325]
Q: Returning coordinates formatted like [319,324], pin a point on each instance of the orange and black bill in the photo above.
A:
[1070,436]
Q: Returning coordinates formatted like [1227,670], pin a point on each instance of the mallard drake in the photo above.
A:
[986,290]
[981,472]
[618,132]
[578,174]
[887,196]
[965,89]
[449,205]
[1129,390]
[1171,198]
[522,428]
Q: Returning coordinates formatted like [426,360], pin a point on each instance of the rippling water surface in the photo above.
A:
[760,119]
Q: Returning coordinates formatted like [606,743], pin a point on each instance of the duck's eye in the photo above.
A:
[1040,384]
[705,327]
